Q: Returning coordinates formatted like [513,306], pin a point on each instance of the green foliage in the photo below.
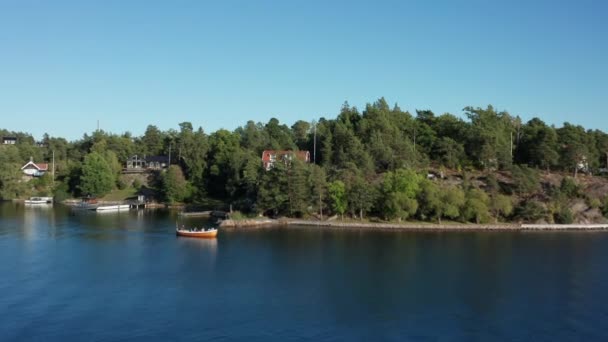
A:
[437,202]
[399,190]
[337,196]
[530,210]
[301,132]
[538,145]
[61,192]
[192,151]
[449,152]
[575,146]
[43,185]
[371,152]
[405,181]
[430,200]
[526,180]
[136,184]
[564,216]
[121,184]
[226,160]
[492,186]
[298,188]
[569,188]
[605,207]
[175,186]
[97,177]
[10,174]
[318,184]
[476,206]
[10,185]
[152,141]
[453,202]
[490,144]
[361,197]
[238,216]
[501,205]
[273,191]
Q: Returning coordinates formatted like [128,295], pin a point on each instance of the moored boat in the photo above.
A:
[39,200]
[205,234]
[113,207]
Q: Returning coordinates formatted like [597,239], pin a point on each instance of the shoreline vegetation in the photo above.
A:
[407,226]
[379,164]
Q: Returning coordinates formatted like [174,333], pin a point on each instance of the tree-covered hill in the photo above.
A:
[380,162]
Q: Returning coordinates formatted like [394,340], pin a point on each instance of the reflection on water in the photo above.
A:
[202,250]
[125,275]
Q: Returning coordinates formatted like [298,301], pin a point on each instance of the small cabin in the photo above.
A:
[136,163]
[269,157]
[35,169]
[9,140]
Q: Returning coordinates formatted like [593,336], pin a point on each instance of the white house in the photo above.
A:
[35,170]
[9,140]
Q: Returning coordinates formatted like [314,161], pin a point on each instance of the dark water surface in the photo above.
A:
[83,276]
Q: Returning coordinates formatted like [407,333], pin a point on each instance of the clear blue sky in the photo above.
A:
[64,65]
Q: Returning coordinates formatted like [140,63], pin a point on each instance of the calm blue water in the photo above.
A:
[73,277]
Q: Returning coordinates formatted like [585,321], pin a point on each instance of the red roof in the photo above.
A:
[39,166]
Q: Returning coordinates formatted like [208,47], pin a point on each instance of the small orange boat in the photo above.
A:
[205,234]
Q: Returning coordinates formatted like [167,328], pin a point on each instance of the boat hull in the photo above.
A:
[113,207]
[36,202]
[202,234]
[39,200]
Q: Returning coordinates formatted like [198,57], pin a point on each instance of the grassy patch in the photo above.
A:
[120,195]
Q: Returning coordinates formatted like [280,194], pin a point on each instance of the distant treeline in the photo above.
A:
[366,162]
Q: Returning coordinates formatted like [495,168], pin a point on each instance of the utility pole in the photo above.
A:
[169,154]
[314,153]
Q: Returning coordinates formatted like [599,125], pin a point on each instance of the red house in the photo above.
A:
[269,157]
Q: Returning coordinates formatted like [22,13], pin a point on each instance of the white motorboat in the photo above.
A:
[113,207]
[39,200]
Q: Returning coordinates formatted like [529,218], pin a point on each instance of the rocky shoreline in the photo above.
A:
[266,222]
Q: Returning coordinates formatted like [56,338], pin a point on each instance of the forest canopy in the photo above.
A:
[380,161]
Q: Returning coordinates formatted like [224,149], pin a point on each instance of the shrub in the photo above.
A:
[569,187]
[526,180]
[136,183]
[605,207]
[564,216]
[476,206]
[530,210]
[237,215]
[594,202]
[61,193]
[121,184]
